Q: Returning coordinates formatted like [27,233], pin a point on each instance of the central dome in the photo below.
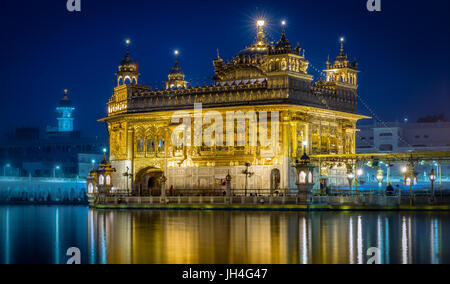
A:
[252,51]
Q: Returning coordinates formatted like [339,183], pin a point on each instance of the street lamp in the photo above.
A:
[247,174]
[4,169]
[55,169]
[432,179]
[350,177]
[359,173]
[128,176]
[380,177]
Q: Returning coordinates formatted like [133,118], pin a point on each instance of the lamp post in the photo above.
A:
[247,174]
[409,176]
[380,177]
[432,179]
[127,176]
[404,171]
[305,176]
[350,177]
[54,170]
[4,169]
[359,173]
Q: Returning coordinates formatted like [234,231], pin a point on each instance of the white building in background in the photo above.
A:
[403,137]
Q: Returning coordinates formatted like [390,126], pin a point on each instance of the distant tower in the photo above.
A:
[342,71]
[128,69]
[176,76]
[65,114]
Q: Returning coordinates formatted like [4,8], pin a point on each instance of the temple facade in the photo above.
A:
[266,87]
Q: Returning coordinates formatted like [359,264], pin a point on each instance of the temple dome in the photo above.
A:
[127,61]
[176,69]
[65,101]
[252,51]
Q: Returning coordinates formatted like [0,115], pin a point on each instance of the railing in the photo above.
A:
[206,192]
[285,197]
[207,200]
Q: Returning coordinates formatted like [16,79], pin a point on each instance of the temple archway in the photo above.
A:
[148,182]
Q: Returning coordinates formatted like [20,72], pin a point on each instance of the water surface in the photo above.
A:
[42,234]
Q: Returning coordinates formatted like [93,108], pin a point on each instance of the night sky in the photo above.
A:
[403,51]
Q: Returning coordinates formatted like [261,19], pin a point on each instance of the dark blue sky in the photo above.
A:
[403,51]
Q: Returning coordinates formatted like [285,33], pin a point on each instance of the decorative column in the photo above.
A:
[285,150]
[130,157]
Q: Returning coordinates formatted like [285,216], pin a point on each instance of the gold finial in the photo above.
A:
[261,23]
[176,53]
[66,91]
[218,54]
[342,46]
[127,42]
[283,23]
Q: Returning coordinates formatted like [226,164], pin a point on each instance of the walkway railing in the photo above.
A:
[339,198]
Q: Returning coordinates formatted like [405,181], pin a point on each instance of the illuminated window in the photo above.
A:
[101,180]
[302,177]
[108,180]
[140,146]
[161,146]
[151,146]
[91,188]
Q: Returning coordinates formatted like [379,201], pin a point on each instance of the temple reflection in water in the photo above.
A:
[223,237]
[191,237]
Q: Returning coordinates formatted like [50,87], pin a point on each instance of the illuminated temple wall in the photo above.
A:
[142,142]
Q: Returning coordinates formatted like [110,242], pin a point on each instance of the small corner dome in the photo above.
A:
[65,101]
[176,70]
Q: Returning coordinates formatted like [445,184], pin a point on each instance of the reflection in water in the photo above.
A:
[57,245]
[263,237]
[43,235]
[7,237]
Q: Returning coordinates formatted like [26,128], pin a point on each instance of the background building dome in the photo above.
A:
[65,101]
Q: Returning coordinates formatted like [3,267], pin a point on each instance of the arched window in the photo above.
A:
[302,177]
[283,65]
[91,188]
[101,180]
[140,146]
[162,146]
[108,180]
[151,146]
[310,177]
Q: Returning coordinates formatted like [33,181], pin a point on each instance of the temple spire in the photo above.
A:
[127,42]
[283,23]
[342,47]
[261,23]
[176,52]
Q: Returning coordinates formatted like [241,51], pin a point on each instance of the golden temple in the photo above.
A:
[265,79]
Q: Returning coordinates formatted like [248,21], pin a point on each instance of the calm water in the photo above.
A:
[39,234]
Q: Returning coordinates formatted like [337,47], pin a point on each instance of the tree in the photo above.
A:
[433,119]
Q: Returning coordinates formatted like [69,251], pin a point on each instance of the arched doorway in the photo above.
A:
[148,182]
